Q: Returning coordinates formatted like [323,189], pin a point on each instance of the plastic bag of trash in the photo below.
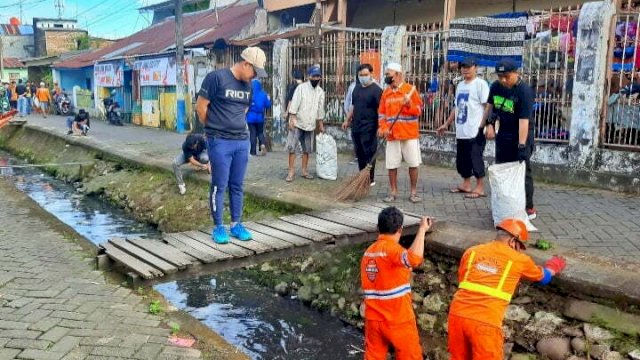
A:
[508,197]
[326,157]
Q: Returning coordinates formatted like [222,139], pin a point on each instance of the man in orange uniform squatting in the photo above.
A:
[488,276]
[403,101]
[385,273]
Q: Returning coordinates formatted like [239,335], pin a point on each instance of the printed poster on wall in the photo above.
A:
[108,74]
[157,72]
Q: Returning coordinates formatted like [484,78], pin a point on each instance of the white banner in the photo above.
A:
[108,74]
[158,72]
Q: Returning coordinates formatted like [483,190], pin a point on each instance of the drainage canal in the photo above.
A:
[244,313]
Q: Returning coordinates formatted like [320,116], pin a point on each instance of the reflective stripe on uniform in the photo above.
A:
[483,289]
[388,294]
[375,254]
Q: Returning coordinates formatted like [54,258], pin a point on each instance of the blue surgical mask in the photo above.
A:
[364,80]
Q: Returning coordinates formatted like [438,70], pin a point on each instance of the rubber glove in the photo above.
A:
[522,153]
[556,264]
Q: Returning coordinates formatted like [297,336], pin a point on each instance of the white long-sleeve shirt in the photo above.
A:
[308,106]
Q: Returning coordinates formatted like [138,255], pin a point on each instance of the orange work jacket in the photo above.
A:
[385,274]
[43,95]
[391,102]
[489,275]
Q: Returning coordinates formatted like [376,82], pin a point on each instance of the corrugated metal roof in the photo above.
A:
[160,37]
[16,30]
[11,62]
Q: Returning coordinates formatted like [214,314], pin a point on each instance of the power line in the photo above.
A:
[108,15]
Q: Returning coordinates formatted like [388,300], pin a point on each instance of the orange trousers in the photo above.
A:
[404,338]
[474,340]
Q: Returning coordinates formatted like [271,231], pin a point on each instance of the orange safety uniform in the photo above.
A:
[385,273]
[407,126]
[43,95]
[489,275]
[14,94]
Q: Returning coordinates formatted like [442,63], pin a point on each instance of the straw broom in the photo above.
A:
[357,187]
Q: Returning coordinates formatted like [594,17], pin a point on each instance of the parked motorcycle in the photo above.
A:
[113,110]
[63,105]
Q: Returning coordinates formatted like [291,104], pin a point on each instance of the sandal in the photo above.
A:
[414,198]
[289,178]
[474,195]
[459,190]
[390,198]
[307,176]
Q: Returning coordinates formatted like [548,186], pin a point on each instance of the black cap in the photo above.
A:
[506,65]
[469,62]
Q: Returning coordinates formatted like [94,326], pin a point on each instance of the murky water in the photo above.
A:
[260,323]
[263,325]
[91,217]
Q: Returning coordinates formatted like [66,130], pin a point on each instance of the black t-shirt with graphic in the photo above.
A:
[511,105]
[365,102]
[229,99]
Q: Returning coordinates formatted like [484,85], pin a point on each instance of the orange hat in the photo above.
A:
[515,227]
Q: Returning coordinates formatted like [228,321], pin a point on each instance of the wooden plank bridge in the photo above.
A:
[193,252]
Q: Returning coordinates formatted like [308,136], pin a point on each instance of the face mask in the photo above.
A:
[388,80]
[364,80]
[314,83]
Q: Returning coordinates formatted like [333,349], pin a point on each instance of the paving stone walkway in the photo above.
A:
[54,305]
[602,222]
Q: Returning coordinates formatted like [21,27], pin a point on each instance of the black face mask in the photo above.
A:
[388,80]
[314,83]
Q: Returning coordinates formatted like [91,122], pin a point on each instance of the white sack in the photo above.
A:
[326,157]
[508,197]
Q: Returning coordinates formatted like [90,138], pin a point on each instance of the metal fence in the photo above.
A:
[341,52]
[548,67]
[620,125]
[426,68]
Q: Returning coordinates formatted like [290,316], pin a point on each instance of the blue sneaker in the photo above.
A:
[220,235]
[239,232]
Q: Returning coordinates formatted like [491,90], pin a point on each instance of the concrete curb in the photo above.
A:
[597,278]
[587,276]
[134,158]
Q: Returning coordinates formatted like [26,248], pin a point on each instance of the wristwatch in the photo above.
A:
[521,146]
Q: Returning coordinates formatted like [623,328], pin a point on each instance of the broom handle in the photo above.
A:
[384,139]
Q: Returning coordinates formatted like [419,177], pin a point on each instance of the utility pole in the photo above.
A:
[59,4]
[20,4]
[181,108]
[317,39]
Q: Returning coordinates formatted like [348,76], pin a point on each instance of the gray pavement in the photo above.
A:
[602,222]
[53,305]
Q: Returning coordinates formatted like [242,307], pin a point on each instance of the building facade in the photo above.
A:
[56,36]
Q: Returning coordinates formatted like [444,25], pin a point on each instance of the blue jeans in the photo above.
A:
[229,160]
[22,105]
[29,105]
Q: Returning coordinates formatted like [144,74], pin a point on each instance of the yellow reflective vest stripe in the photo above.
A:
[483,289]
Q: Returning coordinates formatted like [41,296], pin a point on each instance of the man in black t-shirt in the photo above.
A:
[512,102]
[194,152]
[363,118]
[223,101]
[21,91]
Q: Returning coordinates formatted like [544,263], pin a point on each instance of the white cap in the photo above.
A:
[42,84]
[256,57]
[394,66]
